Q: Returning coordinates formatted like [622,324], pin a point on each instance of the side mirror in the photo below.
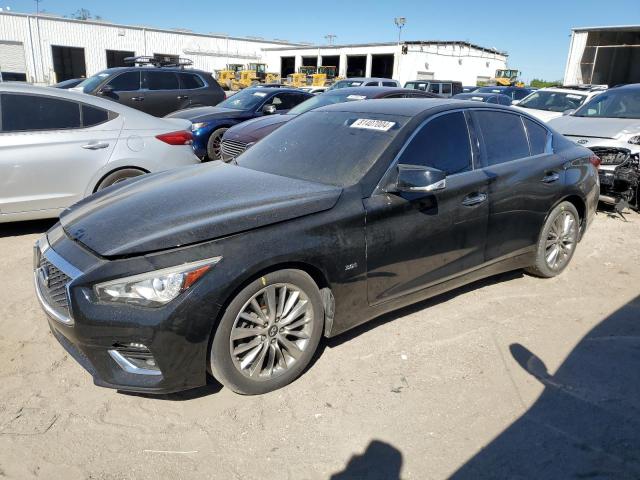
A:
[569,112]
[416,178]
[106,90]
[515,102]
[269,109]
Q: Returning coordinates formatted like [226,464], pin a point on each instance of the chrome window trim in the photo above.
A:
[129,367]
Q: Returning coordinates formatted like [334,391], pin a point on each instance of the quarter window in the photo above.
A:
[443,143]
[503,135]
[126,82]
[537,137]
[160,80]
[34,112]
[93,116]
[190,81]
[446,89]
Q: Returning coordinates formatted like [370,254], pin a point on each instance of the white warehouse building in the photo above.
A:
[46,49]
[411,60]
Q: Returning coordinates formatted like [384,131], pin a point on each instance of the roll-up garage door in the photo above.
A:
[12,63]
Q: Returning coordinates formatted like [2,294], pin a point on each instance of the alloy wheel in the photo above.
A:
[271,331]
[561,240]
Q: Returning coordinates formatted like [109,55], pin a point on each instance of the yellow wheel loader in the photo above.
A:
[508,78]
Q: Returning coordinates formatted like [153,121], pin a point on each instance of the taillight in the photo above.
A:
[182,137]
[595,161]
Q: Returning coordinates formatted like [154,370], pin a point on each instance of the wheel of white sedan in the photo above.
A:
[268,333]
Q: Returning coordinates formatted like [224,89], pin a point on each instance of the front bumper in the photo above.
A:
[176,334]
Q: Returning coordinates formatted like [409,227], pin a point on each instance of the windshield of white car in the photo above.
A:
[244,100]
[346,84]
[612,104]
[333,148]
[552,101]
[322,100]
[89,84]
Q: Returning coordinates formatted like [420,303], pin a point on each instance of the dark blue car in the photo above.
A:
[516,93]
[485,97]
[210,123]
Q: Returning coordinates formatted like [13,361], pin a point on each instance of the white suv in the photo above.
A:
[549,103]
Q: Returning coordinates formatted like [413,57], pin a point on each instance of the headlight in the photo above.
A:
[198,126]
[634,140]
[156,288]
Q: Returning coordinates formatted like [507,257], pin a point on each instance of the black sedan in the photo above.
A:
[237,139]
[344,213]
[210,123]
[496,98]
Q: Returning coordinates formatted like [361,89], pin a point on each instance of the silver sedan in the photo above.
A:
[57,147]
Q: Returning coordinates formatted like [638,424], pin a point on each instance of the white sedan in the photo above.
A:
[549,103]
[57,147]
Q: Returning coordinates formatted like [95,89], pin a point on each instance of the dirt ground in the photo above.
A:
[511,377]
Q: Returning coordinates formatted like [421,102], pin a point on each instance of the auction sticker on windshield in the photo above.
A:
[260,94]
[368,124]
[356,97]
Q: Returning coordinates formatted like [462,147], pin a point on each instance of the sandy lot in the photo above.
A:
[511,377]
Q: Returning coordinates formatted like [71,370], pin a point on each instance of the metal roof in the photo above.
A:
[612,28]
[390,44]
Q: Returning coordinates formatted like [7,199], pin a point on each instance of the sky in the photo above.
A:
[535,34]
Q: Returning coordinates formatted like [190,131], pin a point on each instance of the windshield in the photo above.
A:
[322,100]
[612,104]
[244,100]
[346,83]
[552,101]
[89,84]
[300,149]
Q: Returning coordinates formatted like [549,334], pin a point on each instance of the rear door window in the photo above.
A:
[389,84]
[504,137]
[446,89]
[35,112]
[286,101]
[442,143]
[160,80]
[434,88]
[126,82]
[190,81]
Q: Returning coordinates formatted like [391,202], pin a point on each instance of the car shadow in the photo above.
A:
[380,461]
[586,423]
[16,229]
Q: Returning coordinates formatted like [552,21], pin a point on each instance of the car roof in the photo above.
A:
[276,90]
[434,81]
[480,94]
[153,69]
[406,107]
[369,92]
[630,86]
[368,79]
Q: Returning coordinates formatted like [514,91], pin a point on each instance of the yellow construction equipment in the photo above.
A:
[324,77]
[508,78]
[248,76]
[227,76]
[272,77]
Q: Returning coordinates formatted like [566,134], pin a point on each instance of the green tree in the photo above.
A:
[538,83]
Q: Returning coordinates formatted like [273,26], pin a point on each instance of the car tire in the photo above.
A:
[118,176]
[557,242]
[214,151]
[252,353]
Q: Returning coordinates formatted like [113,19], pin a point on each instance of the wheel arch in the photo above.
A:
[124,167]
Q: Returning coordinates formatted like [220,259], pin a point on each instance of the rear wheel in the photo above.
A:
[214,145]
[557,242]
[118,176]
[268,333]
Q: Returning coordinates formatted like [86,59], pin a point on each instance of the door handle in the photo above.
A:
[550,177]
[95,145]
[137,99]
[183,97]
[474,199]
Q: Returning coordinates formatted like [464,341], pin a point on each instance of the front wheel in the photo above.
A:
[268,333]
[214,145]
[557,242]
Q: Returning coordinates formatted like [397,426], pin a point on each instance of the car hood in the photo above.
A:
[256,129]
[596,127]
[189,205]
[543,115]
[203,114]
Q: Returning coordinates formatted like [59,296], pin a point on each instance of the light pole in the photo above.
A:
[400,22]
[330,38]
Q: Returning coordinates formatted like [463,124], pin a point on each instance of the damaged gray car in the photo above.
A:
[609,125]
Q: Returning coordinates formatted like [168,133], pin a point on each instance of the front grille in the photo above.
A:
[51,286]
[232,148]
[611,156]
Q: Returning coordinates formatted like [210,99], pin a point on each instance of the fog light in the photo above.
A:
[135,358]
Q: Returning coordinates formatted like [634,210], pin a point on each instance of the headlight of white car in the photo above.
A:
[197,126]
[155,288]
